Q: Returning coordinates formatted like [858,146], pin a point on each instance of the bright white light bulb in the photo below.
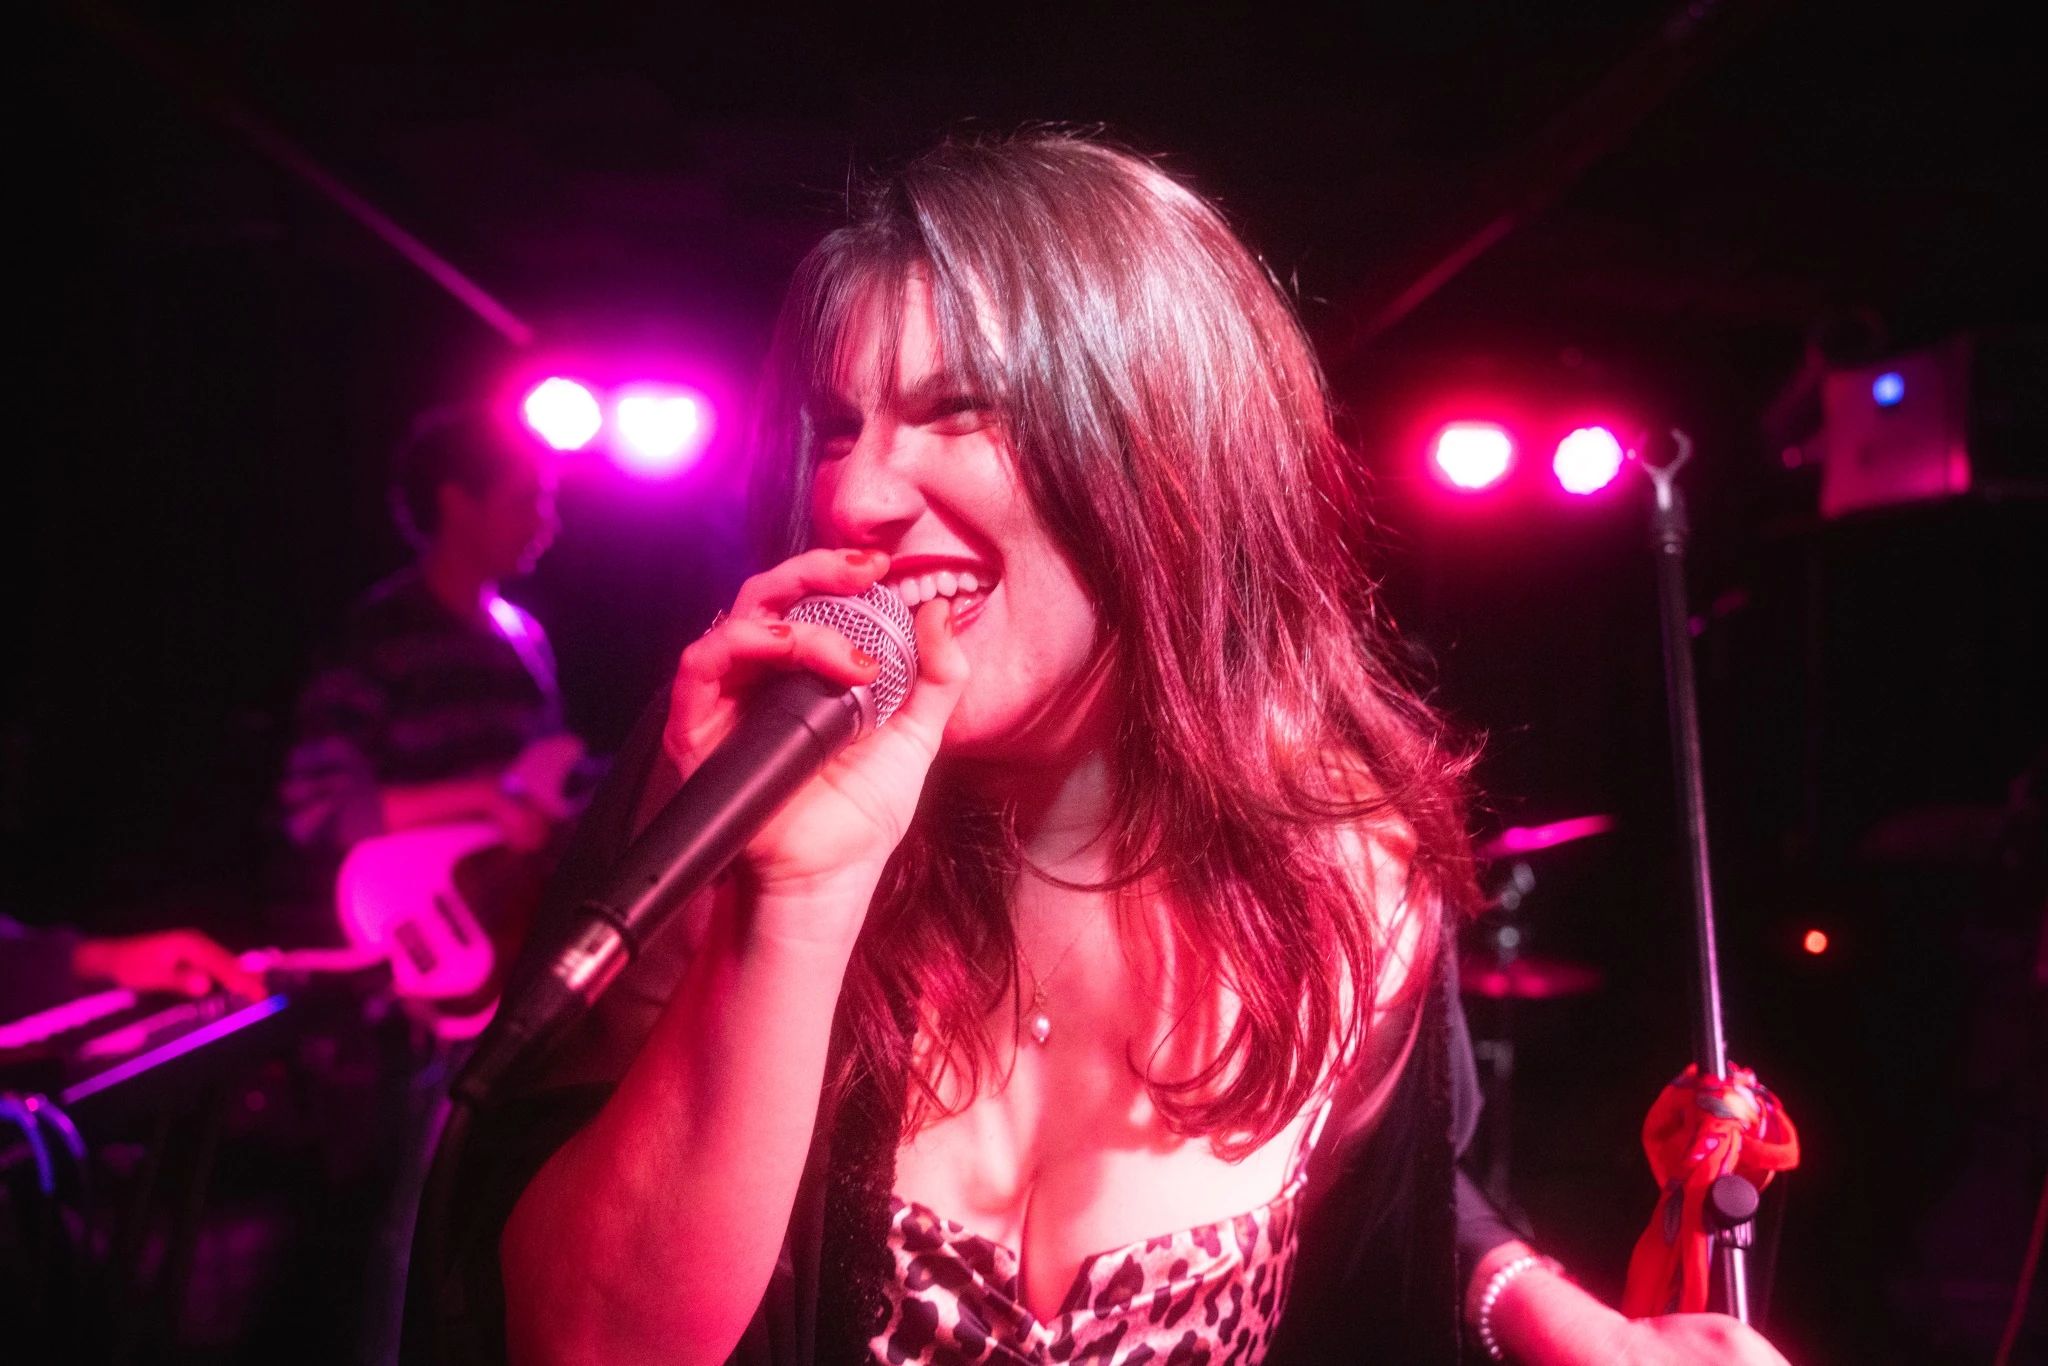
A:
[563,413]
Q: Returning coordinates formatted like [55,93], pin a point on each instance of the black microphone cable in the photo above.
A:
[788,731]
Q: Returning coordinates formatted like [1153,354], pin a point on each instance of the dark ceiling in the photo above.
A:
[1732,174]
[1672,204]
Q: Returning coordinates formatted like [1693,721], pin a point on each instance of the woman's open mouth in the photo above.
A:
[968,589]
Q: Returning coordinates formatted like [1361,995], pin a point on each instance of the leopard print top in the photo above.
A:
[1204,1296]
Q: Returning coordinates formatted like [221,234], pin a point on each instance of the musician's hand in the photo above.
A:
[825,849]
[184,961]
[1690,1340]
[526,826]
[540,775]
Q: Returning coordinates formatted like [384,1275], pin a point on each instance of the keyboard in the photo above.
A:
[109,1047]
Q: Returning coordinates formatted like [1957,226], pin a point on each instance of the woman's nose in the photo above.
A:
[869,496]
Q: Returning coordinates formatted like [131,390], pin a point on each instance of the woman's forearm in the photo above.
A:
[1542,1319]
[1540,1316]
[652,1234]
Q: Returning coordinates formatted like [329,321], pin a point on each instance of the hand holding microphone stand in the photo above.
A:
[1715,1136]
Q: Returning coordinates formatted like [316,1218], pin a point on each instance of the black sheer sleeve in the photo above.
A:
[1393,1227]
[1481,1227]
[1376,1271]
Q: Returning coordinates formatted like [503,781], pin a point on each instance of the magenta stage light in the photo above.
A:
[661,430]
[1473,455]
[564,413]
[1587,460]
[1528,839]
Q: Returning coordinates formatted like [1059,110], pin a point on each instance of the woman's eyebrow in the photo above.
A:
[829,403]
[938,384]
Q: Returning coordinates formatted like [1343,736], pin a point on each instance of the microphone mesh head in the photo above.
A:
[877,621]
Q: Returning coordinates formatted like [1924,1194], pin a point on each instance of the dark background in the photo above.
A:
[1703,209]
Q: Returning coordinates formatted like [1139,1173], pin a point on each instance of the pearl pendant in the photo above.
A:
[1041,1028]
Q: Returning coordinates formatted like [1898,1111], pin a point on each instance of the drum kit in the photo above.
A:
[1498,968]
[1503,970]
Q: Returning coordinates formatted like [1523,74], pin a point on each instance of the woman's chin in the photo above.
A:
[969,735]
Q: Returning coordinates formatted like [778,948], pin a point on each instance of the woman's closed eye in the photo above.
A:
[956,414]
[835,435]
[836,432]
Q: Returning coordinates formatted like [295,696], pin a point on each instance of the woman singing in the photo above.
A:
[1092,1008]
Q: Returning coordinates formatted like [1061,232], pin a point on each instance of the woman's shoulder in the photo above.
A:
[1376,846]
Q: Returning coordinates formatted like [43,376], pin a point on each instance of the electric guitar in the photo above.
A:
[448,905]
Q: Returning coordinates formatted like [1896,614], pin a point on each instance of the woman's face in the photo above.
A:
[916,464]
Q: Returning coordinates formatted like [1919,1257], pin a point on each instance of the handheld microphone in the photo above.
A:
[789,730]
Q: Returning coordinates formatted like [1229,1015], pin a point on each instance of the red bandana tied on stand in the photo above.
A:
[1696,1132]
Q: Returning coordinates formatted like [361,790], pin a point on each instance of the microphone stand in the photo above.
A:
[1733,1199]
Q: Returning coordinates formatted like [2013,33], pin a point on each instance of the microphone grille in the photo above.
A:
[878,622]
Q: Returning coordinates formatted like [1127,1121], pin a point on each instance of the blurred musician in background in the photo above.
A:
[435,728]
[439,684]
[431,766]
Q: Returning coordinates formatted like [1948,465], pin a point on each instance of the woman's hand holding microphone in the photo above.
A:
[812,868]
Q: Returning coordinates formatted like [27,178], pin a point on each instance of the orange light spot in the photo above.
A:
[1816,941]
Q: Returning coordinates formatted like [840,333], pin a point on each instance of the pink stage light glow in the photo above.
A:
[1473,455]
[1527,839]
[1587,460]
[564,413]
[661,430]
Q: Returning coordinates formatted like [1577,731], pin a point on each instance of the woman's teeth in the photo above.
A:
[944,583]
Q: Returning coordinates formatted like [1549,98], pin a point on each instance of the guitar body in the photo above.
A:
[449,905]
[420,898]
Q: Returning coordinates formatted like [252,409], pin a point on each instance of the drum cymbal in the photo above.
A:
[1530,977]
[1527,839]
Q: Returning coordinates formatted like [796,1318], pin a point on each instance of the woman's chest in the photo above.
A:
[1068,1159]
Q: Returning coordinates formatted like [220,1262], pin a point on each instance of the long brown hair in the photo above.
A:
[1174,434]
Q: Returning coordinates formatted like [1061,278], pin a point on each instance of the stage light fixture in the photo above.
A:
[1473,455]
[1587,460]
[1888,389]
[563,413]
[1816,942]
[660,430]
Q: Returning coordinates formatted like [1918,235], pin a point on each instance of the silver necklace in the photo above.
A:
[1038,1023]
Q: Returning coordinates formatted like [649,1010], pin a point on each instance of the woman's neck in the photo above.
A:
[1062,818]
[1059,785]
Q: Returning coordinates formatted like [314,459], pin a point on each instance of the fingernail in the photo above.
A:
[778,629]
[862,659]
[859,558]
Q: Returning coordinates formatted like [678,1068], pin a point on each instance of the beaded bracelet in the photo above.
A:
[1495,1285]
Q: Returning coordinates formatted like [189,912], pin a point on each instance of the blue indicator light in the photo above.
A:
[1888,388]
